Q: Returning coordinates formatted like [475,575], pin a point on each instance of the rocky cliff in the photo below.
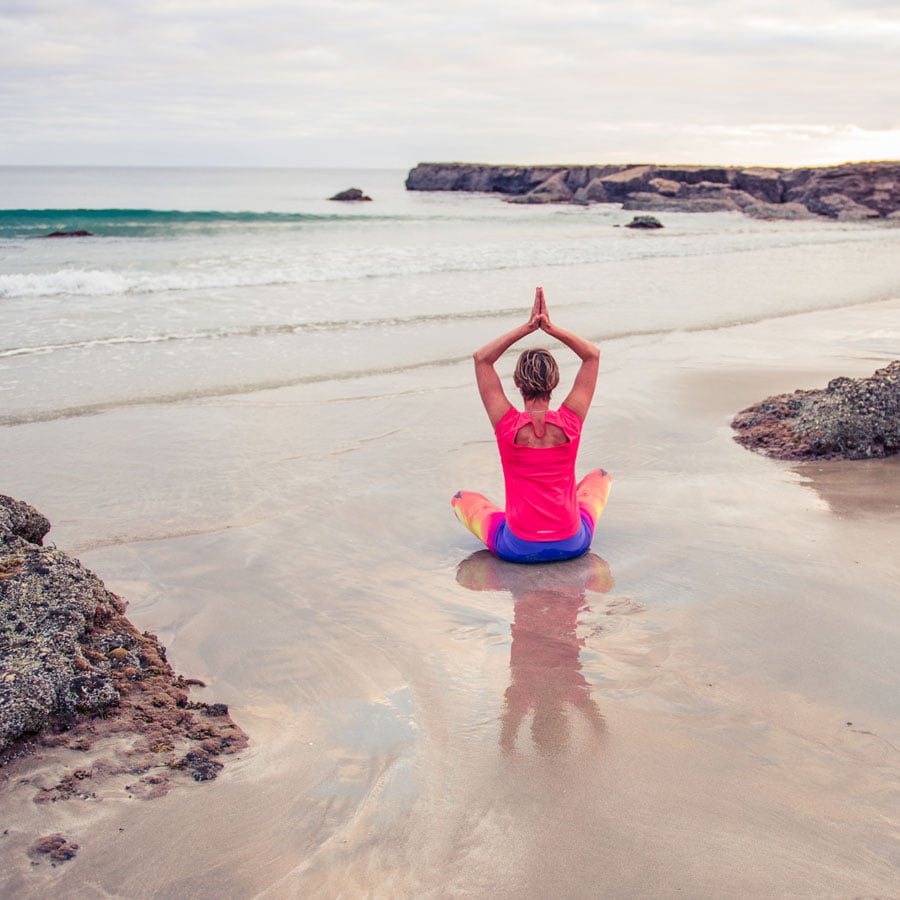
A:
[850,192]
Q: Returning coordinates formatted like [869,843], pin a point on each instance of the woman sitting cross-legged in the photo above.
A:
[548,516]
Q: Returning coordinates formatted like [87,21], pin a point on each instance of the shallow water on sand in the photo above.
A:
[705,705]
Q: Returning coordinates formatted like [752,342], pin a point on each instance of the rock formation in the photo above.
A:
[644,222]
[350,194]
[850,192]
[74,670]
[553,190]
[849,419]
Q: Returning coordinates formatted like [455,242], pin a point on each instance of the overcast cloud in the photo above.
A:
[378,83]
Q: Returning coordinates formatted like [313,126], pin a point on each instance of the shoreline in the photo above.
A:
[748,623]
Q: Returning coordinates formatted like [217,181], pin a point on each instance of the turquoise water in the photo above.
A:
[203,282]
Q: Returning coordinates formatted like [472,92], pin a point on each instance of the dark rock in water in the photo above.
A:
[68,234]
[850,419]
[350,194]
[644,222]
[73,669]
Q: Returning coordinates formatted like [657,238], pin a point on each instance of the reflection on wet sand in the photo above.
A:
[546,680]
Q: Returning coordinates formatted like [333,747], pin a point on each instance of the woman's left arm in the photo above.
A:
[490,388]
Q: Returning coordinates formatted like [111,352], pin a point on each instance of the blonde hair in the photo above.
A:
[536,373]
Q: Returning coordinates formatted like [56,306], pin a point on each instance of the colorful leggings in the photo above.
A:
[488,523]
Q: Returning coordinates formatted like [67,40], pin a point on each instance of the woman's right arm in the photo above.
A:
[582,393]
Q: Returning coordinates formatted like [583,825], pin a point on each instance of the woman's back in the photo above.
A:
[540,478]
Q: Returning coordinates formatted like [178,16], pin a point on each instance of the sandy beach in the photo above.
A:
[249,252]
[704,707]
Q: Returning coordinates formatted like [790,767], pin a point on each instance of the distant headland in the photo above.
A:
[849,192]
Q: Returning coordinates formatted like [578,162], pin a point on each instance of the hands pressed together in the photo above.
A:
[492,394]
[540,316]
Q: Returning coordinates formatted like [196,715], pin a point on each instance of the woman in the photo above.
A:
[547,517]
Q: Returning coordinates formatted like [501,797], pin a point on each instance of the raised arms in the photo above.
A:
[489,386]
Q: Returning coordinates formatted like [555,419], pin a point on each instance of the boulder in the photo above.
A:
[849,419]
[784,211]
[593,192]
[649,222]
[73,669]
[47,601]
[350,194]
[20,520]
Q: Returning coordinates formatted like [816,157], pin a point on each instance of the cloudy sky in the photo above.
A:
[388,83]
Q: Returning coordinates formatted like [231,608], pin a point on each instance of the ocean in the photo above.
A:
[191,270]
[246,408]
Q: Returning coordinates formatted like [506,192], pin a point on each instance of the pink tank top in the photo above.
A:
[540,481]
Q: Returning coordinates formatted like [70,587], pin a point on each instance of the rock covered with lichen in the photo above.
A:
[852,418]
[74,669]
[19,520]
[47,602]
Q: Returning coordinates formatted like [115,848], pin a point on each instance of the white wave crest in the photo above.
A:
[97,282]
[83,282]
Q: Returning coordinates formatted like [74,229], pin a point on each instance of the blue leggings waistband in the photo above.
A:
[514,549]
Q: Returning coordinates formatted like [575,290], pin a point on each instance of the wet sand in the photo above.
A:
[705,707]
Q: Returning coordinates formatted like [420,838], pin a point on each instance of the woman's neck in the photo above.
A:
[536,406]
